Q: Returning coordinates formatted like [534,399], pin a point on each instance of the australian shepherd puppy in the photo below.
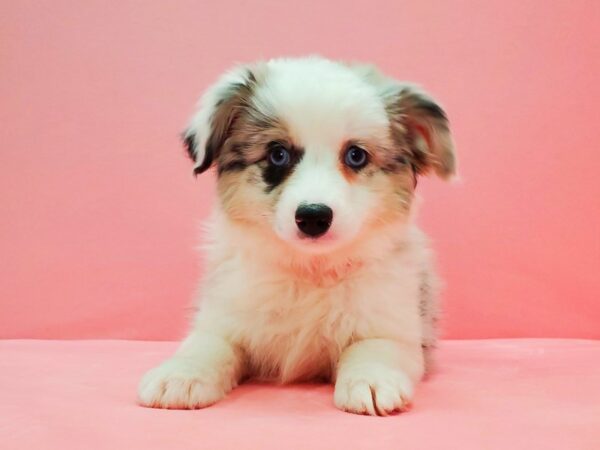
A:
[315,269]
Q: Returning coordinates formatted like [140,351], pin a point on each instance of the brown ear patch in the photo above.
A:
[233,103]
[422,125]
[229,102]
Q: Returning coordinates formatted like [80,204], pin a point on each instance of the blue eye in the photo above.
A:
[356,157]
[278,155]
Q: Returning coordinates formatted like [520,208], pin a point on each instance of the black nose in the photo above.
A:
[314,219]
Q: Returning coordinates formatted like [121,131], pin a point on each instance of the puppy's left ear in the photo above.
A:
[420,122]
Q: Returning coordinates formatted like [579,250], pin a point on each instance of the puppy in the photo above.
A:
[315,269]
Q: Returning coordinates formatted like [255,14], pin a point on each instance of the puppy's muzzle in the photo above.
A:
[313,219]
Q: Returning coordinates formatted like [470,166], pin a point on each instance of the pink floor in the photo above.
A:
[487,394]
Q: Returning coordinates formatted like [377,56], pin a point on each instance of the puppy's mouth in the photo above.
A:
[307,239]
[321,244]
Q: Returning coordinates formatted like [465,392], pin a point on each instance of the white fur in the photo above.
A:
[274,306]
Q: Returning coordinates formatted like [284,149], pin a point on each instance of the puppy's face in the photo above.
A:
[317,153]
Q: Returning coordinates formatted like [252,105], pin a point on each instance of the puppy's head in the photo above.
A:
[315,152]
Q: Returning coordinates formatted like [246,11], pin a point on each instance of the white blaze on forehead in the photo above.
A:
[321,102]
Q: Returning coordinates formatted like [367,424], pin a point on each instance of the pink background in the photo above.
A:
[99,212]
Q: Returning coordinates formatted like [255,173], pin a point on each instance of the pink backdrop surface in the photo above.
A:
[100,213]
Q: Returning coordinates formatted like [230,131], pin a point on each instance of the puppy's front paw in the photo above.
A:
[179,383]
[374,390]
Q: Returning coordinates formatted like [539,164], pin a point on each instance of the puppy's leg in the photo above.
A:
[204,369]
[377,376]
[430,313]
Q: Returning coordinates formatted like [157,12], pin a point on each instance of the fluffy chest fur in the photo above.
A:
[292,319]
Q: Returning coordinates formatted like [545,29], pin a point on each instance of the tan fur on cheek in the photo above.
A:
[394,193]
[243,197]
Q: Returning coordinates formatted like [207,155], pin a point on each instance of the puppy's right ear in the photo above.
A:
[216,112]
